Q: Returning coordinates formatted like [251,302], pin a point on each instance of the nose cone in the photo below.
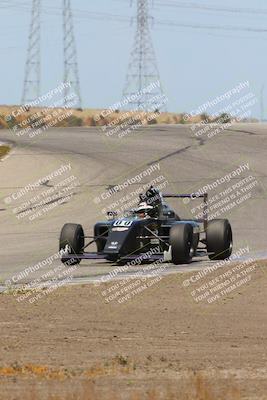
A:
[122,238]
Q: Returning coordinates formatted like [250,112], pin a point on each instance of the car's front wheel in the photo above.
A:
[181,241]
[72,242]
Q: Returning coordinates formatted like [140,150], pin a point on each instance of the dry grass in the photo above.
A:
[196,388]
[4,150]
[90,117]
[80,384]
[118,365]
[94,117]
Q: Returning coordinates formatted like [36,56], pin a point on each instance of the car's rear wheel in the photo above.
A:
[181,241]
[72,242]
[219,239]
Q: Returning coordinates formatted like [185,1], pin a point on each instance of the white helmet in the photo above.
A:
[143,207]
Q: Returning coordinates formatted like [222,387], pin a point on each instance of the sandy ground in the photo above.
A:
[164,343]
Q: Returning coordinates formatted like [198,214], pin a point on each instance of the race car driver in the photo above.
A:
[150,203]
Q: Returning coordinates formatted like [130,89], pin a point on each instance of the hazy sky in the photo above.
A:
[195,64]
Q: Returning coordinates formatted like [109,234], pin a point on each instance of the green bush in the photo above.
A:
[204,117]
[223,118]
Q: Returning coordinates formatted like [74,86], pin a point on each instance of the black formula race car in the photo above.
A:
[152,231]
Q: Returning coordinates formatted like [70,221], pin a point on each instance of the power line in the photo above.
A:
[108,17]
[76,13]
[206,7]
[211,27]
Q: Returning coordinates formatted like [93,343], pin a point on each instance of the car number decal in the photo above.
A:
[122,222]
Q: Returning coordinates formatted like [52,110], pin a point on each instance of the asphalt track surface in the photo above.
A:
[186,162]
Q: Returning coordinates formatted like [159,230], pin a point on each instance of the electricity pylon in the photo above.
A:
[31,86]
[143,87]
[71,74]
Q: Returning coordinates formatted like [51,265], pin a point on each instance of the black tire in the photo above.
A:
[72,235]
[181,241]
[219,239]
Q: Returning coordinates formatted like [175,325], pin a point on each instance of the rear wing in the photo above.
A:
[204,196]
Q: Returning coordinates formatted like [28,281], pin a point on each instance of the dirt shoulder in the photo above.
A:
[164,343]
